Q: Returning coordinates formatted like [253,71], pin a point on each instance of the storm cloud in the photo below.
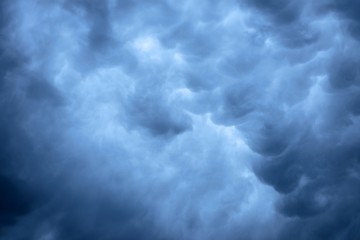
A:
[131,119]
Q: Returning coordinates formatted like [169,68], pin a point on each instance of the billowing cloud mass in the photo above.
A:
[162,119]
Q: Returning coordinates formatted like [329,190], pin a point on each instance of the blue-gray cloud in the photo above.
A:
[127,119]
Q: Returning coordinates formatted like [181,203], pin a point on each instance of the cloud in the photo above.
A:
[179,120]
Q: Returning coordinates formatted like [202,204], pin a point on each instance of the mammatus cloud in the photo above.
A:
[126,119]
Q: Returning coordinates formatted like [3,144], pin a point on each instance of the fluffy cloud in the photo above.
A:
[179,119]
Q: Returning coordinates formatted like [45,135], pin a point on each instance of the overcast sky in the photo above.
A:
[179,120]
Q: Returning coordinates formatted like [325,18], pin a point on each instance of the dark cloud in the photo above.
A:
[170,120]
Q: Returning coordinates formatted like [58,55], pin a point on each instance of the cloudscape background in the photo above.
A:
[183,119]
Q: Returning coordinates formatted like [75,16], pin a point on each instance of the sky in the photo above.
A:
[179,120]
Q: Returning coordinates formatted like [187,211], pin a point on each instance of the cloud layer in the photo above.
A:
[128,119]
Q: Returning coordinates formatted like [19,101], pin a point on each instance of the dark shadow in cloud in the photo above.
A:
[306,202]
[283,172]
[350,10]
[238,102]
[284,22]
[332,214]
[15,150]
[296,36]
[98,19]
[344,71]
[281,12]
[14,203]
[268,139]
[99,216]
[193,41]
[150,113]
[42,90]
